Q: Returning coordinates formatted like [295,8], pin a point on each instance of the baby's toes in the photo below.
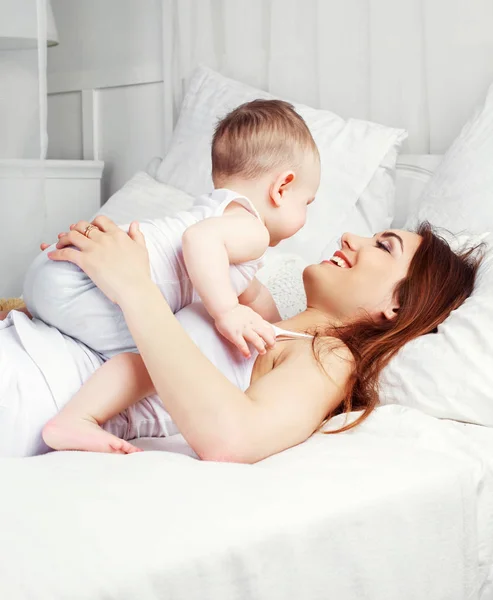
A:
[123,447]
[130,448]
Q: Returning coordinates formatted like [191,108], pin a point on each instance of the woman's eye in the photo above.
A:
[383,246]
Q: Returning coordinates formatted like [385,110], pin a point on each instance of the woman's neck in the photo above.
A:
[309,321]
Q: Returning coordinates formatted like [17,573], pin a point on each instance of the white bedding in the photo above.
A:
[400,508]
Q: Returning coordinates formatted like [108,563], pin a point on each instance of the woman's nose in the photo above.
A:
[354,242]
[349,241]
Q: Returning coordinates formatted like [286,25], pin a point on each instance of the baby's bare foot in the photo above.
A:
[73,433]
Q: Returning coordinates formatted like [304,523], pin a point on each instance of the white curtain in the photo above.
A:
[418,64]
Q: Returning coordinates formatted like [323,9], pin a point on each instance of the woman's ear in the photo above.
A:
[280,185]
[390,313]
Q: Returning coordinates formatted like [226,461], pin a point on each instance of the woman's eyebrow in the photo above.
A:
[389,234]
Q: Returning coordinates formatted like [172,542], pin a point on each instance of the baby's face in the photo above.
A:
[292,214]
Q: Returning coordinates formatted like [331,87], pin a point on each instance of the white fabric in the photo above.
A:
[400,508]
[63,296]
[358,161]
[418,65]
[20,379]
[449,374]
[40,370]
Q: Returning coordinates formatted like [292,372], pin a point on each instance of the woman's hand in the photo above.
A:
[117,262]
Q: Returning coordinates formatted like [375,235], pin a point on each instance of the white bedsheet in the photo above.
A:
[401,508]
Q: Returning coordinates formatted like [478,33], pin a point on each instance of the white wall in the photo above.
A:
[104,84]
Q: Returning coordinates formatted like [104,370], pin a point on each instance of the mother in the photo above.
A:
[379,293]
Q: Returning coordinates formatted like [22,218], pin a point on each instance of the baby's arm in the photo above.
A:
[259,299]
[209,247]
[116,385]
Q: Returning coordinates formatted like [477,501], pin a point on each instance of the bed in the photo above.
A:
[401,507]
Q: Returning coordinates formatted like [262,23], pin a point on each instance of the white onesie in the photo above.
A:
[63,296]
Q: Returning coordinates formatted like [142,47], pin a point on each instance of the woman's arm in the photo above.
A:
[219,421]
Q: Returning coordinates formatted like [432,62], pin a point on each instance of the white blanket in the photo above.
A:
[400,508]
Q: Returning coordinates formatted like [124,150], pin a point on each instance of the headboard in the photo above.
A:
[413,172]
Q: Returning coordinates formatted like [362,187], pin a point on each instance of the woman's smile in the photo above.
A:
[340,259]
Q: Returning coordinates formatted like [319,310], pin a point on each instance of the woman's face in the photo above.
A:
[361,277]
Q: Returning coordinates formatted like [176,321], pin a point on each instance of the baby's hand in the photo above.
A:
[242,325]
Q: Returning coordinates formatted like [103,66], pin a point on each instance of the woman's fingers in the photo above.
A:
[74,238]
[115,261]
[66,254]
[136,234]
[43,246]
[105,224]
[85,227]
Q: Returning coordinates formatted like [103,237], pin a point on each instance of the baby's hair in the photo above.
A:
[259,136]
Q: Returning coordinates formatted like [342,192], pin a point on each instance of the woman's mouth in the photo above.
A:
[339,260]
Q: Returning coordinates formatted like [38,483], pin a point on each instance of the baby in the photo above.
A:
[266,171]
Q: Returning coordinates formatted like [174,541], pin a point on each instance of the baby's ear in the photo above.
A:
[280,186]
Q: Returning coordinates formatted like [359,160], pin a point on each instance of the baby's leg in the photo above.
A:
[119,383]
[63,296]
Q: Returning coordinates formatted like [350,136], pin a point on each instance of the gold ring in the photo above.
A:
[88,230]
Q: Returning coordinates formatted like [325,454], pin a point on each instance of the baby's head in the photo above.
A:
[264,147]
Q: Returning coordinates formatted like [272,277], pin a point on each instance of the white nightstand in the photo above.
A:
[38,199]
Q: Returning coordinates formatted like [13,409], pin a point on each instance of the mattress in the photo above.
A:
[401,507]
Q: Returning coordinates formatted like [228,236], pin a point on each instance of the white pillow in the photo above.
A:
[459,195]
[283,276]
[142,197]
[358,162]
[450,374]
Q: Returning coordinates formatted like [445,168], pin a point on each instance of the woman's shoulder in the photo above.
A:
[326,353]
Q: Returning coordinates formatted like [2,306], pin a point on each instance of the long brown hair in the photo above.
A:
[438,281]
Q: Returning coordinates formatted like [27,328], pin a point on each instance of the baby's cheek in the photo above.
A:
[300,221]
